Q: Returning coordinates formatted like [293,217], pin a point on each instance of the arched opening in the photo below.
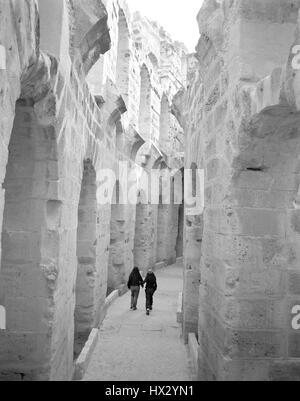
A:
[123,58]
[86,297]
[28,260]
[90,31]
[145,104]
[117,274]
[164,122]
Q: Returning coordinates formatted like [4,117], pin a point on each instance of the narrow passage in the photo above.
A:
[136,347]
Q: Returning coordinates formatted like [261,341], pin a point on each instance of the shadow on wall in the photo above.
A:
[28,270]
[87,269]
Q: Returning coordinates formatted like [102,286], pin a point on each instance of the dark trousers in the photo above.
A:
[149,297]
[135,292]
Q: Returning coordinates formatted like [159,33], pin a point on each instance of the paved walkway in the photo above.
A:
[136,347]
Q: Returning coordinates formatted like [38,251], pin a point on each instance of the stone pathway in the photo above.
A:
[136,347]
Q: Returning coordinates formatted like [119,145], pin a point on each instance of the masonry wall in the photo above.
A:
[58,136]
[51,138]
[243,108]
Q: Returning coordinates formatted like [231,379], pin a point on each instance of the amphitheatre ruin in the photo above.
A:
[95,101]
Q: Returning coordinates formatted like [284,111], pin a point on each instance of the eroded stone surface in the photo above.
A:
[241,118]
[72,104]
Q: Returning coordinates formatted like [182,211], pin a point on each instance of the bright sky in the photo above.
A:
[176,16]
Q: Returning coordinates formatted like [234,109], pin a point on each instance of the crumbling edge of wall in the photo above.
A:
[193,347]
[85,356]
[179,308]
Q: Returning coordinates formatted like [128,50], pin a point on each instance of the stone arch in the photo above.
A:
[159,163]
[90,39]
[66,29]
[86,303]
[136,146]
[29,261]
[123,56]
[153,60]
[145,104]
[143,155]
[164,126]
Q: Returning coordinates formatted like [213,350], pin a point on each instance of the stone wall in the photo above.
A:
[241,119]
[62,124]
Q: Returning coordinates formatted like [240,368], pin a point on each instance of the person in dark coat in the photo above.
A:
[151,287]
[134,283]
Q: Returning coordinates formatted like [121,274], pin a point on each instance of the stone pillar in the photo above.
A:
[117,257]
[144,237]
[179,241]
[192,276]
[163,234]
[249,144]
[29,262]
[167,233]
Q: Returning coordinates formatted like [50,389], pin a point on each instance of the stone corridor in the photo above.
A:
[85,117]
[118,148]
[135,347]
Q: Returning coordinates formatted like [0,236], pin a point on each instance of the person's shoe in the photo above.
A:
[131,307]
[151,308]
[148,312]
[135,308]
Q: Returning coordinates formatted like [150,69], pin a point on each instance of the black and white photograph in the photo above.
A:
[149,193]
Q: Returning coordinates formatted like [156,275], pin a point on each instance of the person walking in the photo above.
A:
[151,287]
[135,281]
